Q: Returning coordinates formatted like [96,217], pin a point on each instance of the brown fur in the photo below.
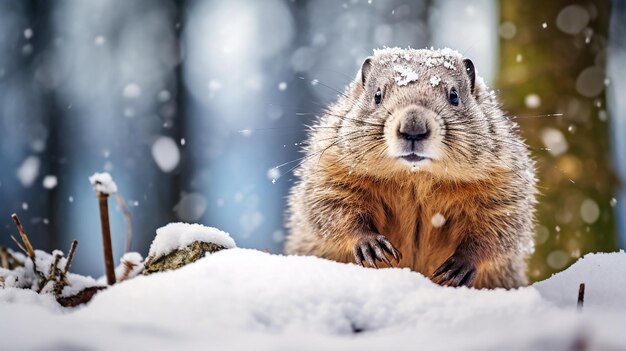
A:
[481,178]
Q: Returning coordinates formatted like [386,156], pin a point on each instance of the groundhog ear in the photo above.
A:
[366,67]
[471,73]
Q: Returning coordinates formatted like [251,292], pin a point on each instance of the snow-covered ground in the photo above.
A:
[246,299]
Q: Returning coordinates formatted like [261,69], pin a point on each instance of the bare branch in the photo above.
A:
[19,245]
[51,274]
[29,247]
[70,257]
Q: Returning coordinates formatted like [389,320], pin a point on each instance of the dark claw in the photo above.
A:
[358,256]
[367,253]
[371,248]
[388,247]
[469,278]
[444,267]
[462,276]
[378,251]
[455,271]
[451,273]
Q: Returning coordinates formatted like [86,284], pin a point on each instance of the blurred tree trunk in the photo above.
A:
[545,70]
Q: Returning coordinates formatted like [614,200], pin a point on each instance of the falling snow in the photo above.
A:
[99,40]
[438,220]
[49,182]
[554,140]
[131,91]
[532,101]
[28,171]
[273,174]
[589,211]
[165,153]
[191,207]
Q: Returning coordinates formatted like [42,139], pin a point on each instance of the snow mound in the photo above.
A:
[595,270]
[103,182]
[236,298]
[176,236]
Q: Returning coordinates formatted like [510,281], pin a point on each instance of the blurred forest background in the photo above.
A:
[192,106]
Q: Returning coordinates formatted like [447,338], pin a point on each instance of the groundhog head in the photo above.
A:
[421,111]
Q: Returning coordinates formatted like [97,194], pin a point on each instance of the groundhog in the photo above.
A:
[417,166]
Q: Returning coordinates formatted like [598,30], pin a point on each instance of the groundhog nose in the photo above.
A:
[413,129]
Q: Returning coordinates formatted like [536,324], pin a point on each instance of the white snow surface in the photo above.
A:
[240,299]
[178,235]
[103,182]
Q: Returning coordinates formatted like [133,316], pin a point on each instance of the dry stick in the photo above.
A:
[106,237]
[29,247]
[19,245]
[51,274]
[70,256]
[581,296]
[127,219]
[62,282]
[4,257]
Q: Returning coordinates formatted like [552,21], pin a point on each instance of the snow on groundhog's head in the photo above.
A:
[421,110]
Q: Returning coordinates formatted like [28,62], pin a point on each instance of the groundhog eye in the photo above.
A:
[454,97]
[378,96]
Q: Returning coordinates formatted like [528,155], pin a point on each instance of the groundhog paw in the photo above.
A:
[455,271]
[374,247]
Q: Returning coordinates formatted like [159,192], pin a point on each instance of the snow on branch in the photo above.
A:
[103,182]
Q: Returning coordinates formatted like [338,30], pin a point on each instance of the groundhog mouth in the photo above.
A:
[413,158]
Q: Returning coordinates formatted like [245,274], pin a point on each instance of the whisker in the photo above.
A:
[536,116]
[320,153]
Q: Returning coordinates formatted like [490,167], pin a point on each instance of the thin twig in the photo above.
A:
[127,219]
[51,275]
[581,296]
[29,247]
[62,281]
[70,257]
[19,245]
